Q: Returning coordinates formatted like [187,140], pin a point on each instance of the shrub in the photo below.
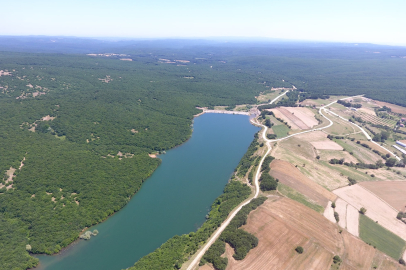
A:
[299,249]
[336,259]
[336,216]
[352,181]
[401,261]
[362,211]
[333,204]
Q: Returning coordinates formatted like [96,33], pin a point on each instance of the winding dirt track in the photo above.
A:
[254,121]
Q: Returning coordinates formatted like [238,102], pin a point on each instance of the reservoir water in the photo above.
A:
[173,201]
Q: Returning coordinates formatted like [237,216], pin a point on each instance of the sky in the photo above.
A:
[370,21]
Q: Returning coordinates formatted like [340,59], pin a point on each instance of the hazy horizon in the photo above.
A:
[362,21]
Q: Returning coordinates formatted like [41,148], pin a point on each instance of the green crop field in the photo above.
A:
[280,130]
[384,240]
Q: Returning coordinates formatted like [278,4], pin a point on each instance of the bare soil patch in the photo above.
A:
[367,110]
[289,175]
[4,73]
[107,79]
[377,209]
[48,118]
[352,220]
[152,155]
[392,192]
[341,209]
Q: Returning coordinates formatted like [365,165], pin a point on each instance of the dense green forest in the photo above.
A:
[78,129]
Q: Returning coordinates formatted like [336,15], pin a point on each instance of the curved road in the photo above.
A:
[219,230]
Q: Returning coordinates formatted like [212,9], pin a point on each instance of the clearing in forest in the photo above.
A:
[392,192]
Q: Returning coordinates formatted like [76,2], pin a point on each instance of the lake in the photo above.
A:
[173,201]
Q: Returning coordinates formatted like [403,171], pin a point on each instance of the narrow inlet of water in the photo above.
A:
[173,201]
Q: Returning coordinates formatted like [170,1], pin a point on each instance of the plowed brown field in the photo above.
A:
[392,192]
[289,175]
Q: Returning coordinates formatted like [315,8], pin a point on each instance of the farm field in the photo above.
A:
[394,108]
[321,172]
[296,117]
[284,224]
[340,127]
[299,197]
[280,130]
[384,240]
[288,224]
[374,119]
[348,216]
[361,153]
[377,209]
[392,192]
[292,177]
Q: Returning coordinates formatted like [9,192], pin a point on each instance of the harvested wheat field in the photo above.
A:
[392,192]
[357,255]
[289,175]
[384,262]
[318,140]
[281,226]
[296,117]
[352,220]
[327,145]
[284,224]
[377,209]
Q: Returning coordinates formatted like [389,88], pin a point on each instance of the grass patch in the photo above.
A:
[280,130]
[384,240]
[275,121]
[299,197]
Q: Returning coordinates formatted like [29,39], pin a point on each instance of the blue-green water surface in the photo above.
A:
[174,200]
